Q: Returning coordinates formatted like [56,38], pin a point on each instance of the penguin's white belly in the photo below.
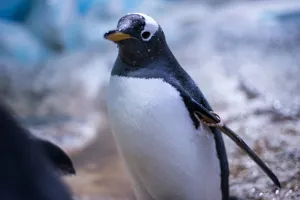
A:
[166,157]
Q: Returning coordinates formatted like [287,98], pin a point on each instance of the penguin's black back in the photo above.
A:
[25,172]
[166,67]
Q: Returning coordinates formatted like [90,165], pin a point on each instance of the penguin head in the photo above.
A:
[139,38]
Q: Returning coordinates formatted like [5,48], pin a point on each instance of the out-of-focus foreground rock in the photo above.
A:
[244,55]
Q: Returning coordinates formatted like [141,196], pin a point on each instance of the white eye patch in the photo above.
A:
[151,26]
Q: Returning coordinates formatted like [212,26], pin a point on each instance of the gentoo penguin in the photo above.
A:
[159,119]
[26,172]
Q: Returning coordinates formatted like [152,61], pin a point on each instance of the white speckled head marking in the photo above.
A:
[151,25]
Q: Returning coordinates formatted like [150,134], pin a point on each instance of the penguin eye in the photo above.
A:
[146,35]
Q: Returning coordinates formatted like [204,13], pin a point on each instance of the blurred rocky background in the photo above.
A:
[244,55]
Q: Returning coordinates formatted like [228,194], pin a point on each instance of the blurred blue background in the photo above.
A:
[243,54]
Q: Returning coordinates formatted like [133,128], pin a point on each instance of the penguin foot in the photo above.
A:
[219,124]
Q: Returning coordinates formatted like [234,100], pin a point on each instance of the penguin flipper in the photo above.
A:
[57,156]
[212,119]
[59,159]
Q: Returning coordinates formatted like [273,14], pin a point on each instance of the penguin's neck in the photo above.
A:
[131,58]
[152,67]
[136,55]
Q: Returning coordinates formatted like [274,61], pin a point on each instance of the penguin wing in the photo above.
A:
[204,114]
[60,160]
[56,155]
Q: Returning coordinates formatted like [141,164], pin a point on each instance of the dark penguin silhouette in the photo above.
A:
[162,123]
[57,156]
[26,172]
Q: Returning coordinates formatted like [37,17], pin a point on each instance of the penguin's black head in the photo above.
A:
[139,38]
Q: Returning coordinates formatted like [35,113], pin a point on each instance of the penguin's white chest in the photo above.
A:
[166,157]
